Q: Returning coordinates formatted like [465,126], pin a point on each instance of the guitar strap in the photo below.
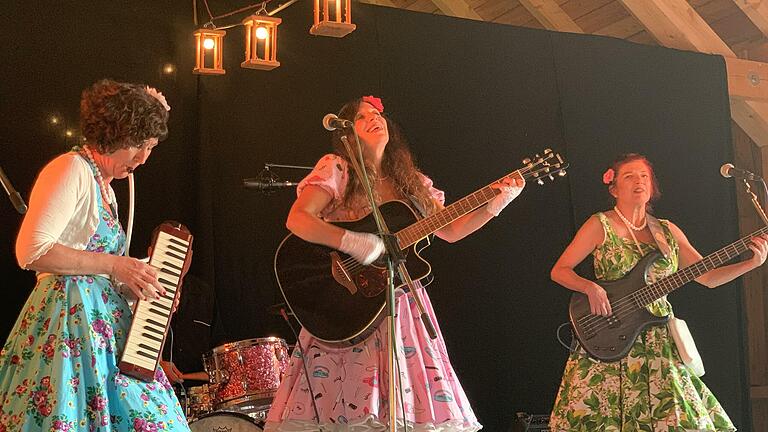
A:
[657,232]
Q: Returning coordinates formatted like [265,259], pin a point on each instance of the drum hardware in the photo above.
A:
[225,421]
[246,372]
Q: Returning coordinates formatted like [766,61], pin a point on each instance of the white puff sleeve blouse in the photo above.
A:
[63,208]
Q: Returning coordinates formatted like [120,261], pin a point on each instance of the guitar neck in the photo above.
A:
[662,287]
[418,230]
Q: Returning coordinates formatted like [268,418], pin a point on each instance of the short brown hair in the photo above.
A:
[116,115]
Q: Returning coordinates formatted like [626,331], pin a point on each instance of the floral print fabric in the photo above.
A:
[649,390]
[59,366]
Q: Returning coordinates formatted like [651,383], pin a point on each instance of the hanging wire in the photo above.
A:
[261,11]
[210,15]
[261,5]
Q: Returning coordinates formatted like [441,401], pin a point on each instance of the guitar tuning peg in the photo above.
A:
[540,181]
[547,151]
[562,173]
[526,161]
[551,177]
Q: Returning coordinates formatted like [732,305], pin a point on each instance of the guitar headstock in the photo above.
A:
[543,166]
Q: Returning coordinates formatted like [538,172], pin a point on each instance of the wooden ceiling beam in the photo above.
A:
[551,15]
[457,8]
[756,11]
[675,24]
[747,80]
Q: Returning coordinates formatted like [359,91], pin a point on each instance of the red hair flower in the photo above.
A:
[608,176]
[376,102]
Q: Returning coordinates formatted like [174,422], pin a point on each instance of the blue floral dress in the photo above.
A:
[58,369]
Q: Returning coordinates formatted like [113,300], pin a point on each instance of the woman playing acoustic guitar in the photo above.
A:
[651,388]
[349,383]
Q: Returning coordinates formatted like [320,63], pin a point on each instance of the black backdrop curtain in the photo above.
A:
[473,98]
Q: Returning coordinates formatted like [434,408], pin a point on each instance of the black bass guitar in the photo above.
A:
[338,300]
[610,338]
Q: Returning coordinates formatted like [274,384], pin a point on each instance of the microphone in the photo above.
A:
[270,185]
[332,122]
[728,171]
[14,196]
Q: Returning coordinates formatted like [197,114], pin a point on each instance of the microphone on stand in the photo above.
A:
[332,122]
[14,196]
[728,171]
[266,186]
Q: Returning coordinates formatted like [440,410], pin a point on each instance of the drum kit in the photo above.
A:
[243,379]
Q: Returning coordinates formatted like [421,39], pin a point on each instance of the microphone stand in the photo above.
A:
[395,259]
[13,195]
[755,202]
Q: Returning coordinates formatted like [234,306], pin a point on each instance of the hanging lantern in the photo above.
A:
[261,42]
[209,59]
[328,18]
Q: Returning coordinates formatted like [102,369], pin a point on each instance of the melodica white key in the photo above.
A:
[152,317]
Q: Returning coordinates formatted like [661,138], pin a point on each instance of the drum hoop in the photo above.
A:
[227,412]
[232,346]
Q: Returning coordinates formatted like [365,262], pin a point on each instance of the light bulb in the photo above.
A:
[169,68]
[69,133]
[262,32]
[208,43]
[54,120]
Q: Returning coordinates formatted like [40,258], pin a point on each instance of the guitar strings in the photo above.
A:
[350,265]
[592,322]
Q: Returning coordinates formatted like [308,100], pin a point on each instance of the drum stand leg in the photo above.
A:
[304,366]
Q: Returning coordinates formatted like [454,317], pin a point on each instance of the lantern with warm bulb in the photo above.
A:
[209,41]
[333,18]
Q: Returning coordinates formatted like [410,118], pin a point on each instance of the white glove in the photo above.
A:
[363,247]
[507,193]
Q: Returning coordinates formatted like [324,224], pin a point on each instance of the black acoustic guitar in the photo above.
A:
[610,338]
[340,301]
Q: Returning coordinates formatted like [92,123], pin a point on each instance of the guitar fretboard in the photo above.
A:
[418,230]
[650,293]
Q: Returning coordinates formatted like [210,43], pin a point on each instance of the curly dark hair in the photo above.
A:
[116,115]
[397,163]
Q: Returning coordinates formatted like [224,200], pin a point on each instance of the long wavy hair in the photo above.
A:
[397,163]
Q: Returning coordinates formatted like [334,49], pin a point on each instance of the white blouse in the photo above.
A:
[63,209]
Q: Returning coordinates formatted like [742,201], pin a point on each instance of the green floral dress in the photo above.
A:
[650,389]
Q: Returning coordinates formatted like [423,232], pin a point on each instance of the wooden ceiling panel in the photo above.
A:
[578,8]
[493,9]
[474,4]
[756,50]
[602,17]
[714,10]
[403,4]
[427,6]
[736,28]
[551,16]
[516,16]
[533,23]
[622,29]
[642,38]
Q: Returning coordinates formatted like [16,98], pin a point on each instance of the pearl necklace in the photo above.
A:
[629,224]
[104,191]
